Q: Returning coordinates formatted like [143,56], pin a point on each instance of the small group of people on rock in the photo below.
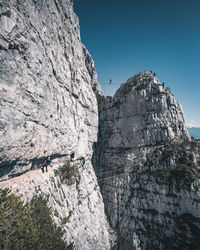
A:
[81,159]
[46,164]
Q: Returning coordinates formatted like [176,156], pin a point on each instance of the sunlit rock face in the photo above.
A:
[142,113]
[148,167]
[48,109]
[146,164]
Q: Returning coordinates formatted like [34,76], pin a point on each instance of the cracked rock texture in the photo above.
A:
[48,109]
[146,164]
[148,167]
[47,104]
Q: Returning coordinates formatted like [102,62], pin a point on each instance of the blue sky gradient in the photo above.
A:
[129,36]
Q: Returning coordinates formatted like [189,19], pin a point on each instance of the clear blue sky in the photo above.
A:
[125,37]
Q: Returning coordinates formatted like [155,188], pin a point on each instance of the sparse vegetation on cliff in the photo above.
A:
[27,226]
[176,163]
[100,98]
[67,173]
[186,233]
[181,175]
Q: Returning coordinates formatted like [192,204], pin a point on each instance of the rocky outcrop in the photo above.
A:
[49,109]
[148,168]
[142,113]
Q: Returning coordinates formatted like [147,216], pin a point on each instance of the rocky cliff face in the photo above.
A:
[49,109]
[146,164]
[148,168]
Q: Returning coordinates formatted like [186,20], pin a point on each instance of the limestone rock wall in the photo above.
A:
[48,109]
[142,113]
[147,166]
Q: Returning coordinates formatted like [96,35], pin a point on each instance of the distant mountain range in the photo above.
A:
[195,132]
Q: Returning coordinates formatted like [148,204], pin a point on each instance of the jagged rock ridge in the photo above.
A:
[148,168]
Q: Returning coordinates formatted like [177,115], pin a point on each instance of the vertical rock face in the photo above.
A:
[148,168]
[48,106]
[48,109]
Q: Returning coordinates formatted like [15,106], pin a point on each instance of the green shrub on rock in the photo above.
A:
[67,173]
